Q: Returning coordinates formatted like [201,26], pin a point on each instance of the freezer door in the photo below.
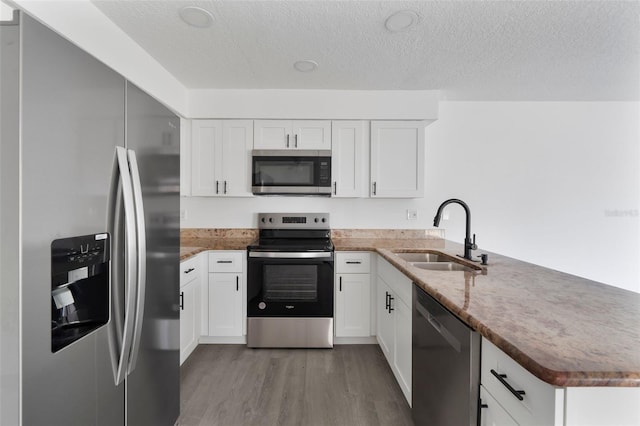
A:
[71,121]
[153,384]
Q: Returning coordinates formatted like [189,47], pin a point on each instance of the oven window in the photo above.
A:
[269,172]
[290,283]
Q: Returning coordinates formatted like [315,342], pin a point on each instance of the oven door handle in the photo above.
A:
[291,255]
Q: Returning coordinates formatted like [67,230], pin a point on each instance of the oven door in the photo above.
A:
[290,284]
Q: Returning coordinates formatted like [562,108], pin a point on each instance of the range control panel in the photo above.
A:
[293,220]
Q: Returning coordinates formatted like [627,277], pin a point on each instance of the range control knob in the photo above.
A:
[270,220]
[263,220]
[324,219]
[315,220]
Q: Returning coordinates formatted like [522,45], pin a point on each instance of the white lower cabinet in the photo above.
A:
[402,356]
[226,316]
[189,327]
[352,305]
[492,413]
[386,327]
[225,304]
[190,289]
[527,399]
[352,294]
[544,404]
[394,322]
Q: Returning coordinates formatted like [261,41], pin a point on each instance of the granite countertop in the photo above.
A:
[193,246]
[566,330]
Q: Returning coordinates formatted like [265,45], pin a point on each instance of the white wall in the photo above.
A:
[557,184]
[553,183]
[315,104]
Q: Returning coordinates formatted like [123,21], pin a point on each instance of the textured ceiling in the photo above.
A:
[472,50]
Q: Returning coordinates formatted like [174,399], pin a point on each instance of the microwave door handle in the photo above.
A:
[122,179]
[141,258]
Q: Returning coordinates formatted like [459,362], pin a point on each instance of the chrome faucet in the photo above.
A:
[468,243]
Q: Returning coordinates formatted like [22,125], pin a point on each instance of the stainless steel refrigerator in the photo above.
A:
[90,240]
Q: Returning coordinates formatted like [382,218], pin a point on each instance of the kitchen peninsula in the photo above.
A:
[567,331]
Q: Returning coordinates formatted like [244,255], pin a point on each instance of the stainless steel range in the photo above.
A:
[290,282]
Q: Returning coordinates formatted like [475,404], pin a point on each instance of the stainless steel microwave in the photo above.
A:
[287,172]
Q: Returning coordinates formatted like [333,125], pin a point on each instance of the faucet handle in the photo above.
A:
[474,246]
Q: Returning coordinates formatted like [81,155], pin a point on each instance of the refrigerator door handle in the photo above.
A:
[141,258]
[122,193]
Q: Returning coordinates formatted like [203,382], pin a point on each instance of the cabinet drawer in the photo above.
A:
[225,261]
[492,414]
[353,262]
[189,270]
[538,401]
[396,280]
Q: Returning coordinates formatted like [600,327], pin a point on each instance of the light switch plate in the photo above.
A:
[412,214]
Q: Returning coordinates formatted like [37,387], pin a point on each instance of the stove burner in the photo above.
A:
[291,232]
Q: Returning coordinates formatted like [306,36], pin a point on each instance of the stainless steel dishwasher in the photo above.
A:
[446,366]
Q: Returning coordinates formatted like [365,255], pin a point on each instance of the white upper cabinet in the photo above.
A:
[221,157]
[292,134]
[237,143]
[185,158]
[397,159]
[349,160]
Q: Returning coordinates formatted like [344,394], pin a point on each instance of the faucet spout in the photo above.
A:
[468,243]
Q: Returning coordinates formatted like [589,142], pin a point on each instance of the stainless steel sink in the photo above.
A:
[423,257]
[435,261]
[444,266]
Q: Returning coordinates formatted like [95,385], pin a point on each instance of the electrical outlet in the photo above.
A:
[445,215]
[183,214]
[412,214]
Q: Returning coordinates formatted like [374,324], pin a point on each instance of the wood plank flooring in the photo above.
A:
[232,385]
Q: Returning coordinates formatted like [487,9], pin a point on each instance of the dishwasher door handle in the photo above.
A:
[442,330]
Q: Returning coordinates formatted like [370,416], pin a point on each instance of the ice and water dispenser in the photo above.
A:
[79,287]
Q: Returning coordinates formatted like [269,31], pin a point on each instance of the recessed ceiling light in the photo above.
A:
[196,16]
[402,21]
[305,66]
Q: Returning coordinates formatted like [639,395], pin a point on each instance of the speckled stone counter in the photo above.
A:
[566,330]
[196,240]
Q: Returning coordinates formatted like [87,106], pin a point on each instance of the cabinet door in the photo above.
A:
[348,160]
[385,321]
[272,134]
[189,320]
[397,159]
[492,413]
[311,134]
[237,136]
[225,305]
[206,157]
[352,305]
[402,348]
[185,157]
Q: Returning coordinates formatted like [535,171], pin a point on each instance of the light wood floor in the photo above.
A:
[232,385]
